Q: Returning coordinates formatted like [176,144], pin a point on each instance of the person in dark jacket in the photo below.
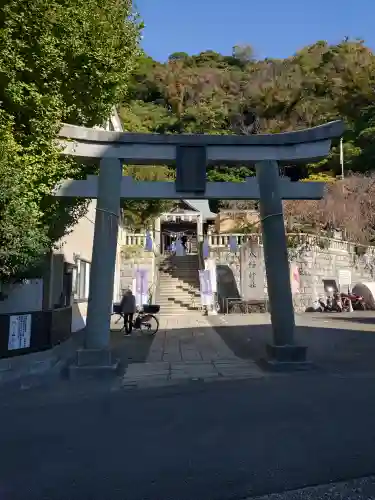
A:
[128,307]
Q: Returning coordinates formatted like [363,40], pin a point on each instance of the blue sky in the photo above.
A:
[274,28]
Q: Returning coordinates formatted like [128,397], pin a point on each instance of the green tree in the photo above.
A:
[139,214]
[208,93]
[23,238]
[60,61]
[178,55]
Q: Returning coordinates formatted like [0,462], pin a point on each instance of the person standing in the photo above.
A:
[128,308]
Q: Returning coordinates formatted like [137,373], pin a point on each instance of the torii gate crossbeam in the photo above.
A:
[191,154]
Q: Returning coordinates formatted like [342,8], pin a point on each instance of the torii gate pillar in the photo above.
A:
[283,349]
[192,153]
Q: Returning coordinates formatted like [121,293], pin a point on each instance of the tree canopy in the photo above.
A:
[59,61]
[220,94]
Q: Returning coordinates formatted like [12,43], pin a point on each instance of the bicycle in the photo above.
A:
[145,319]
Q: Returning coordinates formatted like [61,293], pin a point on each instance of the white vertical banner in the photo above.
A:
[342,157]
[205,288]
[19,331]
[210,265]
[87,278]
[140,287]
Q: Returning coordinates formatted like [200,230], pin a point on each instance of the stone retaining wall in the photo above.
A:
[315,264]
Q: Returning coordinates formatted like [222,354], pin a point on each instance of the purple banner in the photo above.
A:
[205,249]
[141,281]
[148,243]
[233,247]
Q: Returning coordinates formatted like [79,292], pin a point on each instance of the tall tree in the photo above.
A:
[60,60]
[205,93]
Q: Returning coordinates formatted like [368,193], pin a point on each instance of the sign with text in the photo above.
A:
[19,332]
[345,279]
[252,271]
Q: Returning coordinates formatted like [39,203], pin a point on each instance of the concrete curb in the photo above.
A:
[37,363]
[164,374]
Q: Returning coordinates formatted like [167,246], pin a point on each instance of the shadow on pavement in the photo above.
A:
[365,320]
[130,348]
[329,349]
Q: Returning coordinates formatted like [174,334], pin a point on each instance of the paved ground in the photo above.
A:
[130,348]
[226,441]
[358,489]
[338,343]
[187,348]
[207,441]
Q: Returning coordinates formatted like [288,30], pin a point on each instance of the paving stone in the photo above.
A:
[193,370]
[190,354]
[145,369]
[146,383]
[229,369]
[155,355]
[171,358]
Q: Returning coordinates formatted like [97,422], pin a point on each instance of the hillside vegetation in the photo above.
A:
[219,94]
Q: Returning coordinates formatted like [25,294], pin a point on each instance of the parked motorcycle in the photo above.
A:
[332,303]
[342,302]
[357,301]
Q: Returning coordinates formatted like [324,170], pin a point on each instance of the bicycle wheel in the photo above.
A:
[117,322]
[149,324]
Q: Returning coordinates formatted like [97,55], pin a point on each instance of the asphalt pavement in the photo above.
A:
[221,441]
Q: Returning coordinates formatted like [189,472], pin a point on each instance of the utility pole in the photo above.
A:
[342,157]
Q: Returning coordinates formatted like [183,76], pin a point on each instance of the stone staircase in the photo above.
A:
[178,288]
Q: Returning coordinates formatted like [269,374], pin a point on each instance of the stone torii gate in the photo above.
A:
[191,154]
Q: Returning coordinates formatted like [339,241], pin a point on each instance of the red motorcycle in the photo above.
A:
[357,301]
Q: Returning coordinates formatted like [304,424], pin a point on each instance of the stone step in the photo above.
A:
[178,300]
[170,297]
[178,284]
[170,269]
[183,288]
[178,293]
[181,264]
[186,304]
[177,281]
[185,307]
[177,276]
[179,272]
[182,312]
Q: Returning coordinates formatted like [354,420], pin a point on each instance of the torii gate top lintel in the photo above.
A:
[323,132]
[192,153]
[151,149]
